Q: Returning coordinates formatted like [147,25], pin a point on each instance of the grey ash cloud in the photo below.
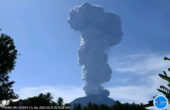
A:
[100,30]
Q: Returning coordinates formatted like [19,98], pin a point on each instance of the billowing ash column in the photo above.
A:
[100,31]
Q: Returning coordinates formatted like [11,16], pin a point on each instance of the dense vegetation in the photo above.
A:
[8,55]
[116,106]
[46,100]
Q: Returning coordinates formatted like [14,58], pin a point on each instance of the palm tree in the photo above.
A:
[46,96]
[60,101]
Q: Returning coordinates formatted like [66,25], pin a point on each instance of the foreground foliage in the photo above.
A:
[116,106]
[8,55]
[163,89]
[46,100]
[164,76]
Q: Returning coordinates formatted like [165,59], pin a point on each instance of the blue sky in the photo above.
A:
[48,47]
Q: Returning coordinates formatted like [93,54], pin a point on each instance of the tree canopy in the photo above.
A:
[8,55]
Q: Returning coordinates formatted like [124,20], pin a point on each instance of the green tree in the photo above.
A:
[77,107]
[40,100]
[46,96]
[163,89]
[164,76]
[60,101]
[8,55]
[116,106]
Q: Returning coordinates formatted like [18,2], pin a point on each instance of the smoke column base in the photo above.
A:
[96,99]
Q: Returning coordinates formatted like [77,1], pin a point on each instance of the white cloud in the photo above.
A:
[145,66]
[137,94]
[68,93]
[141,64]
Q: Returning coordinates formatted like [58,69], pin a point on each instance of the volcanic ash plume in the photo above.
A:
[100,31]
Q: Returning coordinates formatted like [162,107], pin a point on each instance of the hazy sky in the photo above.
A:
[48,47]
